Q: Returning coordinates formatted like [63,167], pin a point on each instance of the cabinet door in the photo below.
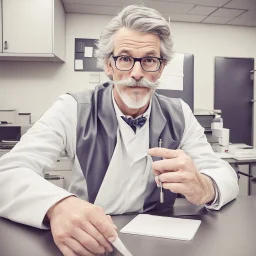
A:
[28,26]
[233,92]
[1,24]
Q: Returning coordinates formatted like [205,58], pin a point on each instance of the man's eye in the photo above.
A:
[125,58]
[149,60]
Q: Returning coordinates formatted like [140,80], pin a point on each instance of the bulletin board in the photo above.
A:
[84,59]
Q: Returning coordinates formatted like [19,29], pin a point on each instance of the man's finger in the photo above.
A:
[66,251]
[167,165]
[88,241]
[105,227]
[78,248]
[164,152]
[93,232]
[176,187]
[174,177]
[110,219]
[156,172]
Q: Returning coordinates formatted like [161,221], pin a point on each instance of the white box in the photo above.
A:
[24,118]
[8,115]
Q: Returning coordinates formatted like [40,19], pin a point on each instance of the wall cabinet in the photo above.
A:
[33,30]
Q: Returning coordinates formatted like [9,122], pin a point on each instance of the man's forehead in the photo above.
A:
[128,40]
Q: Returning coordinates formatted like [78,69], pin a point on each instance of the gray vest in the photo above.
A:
[97,131]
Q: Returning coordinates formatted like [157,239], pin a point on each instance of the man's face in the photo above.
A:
[128,42]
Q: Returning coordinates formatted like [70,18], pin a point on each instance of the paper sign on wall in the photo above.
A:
[79,65]
[88,51]
[172,76]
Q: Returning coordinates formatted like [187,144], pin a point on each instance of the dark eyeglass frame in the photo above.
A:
[137,59]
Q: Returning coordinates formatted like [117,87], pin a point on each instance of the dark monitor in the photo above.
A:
[10,133]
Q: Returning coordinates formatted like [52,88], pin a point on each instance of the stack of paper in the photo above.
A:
[243,154]
[173,74]
[165,227]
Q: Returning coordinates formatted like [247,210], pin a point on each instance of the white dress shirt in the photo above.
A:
[26,196]
[129,170]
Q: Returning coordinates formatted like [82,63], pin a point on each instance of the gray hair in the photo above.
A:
[138,18]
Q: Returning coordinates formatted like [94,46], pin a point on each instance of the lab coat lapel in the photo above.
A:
[106,114]
[114,181]
[96,135]
[157,123]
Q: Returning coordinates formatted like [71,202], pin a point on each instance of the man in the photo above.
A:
[116,162]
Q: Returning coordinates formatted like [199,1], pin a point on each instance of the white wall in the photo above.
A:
[32,87]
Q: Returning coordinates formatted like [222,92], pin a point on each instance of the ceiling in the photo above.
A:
[234,12]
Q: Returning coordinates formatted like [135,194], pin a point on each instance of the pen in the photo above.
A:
[160,142]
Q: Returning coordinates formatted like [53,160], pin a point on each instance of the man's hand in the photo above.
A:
[179,175]
[81,228]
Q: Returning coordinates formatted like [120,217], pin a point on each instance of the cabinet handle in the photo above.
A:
[5,45]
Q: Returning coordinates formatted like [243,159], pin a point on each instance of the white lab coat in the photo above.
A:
[26,196]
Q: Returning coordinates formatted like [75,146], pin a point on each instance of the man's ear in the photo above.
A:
[108,68]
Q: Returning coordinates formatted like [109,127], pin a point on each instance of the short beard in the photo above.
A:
[129,101]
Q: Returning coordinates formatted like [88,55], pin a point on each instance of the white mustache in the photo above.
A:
[143,82]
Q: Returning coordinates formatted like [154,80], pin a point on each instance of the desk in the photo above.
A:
[247,170]
[228,232]
[240,162]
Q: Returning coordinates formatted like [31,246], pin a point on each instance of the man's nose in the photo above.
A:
[137,72]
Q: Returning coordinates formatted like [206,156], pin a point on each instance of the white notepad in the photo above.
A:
[165,227]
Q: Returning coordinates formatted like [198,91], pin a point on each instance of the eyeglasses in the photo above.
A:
[148,64]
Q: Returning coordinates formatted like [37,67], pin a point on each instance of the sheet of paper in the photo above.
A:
[241,154]
[172,76]
[165,227]
[88,51]
[79,65]
[170,82]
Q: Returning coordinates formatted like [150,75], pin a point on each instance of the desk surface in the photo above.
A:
[241,161]
[230,232]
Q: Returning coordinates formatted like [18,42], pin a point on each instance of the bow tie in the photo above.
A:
[133,123]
